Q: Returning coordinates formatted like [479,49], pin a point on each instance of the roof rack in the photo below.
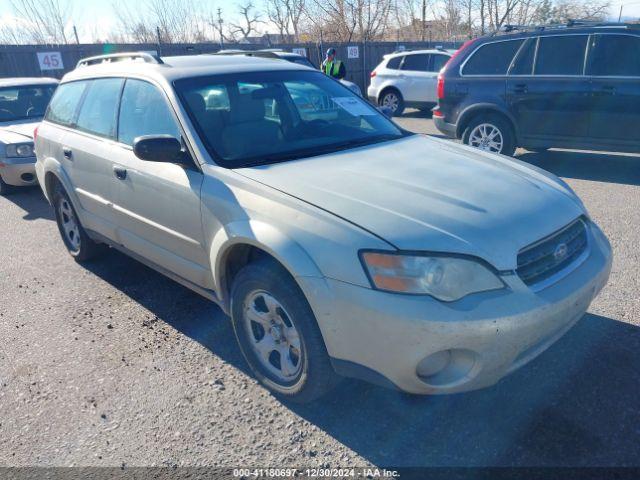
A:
[119,57]
[571,23]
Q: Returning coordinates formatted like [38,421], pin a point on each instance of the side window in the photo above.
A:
[144,111]
[523,64]
[418,62]
[492,58]
[615,55]
[64,104]
[394,62]
[98,111]
[439,61]
[561,55]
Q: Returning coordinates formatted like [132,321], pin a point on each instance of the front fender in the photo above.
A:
[265,237]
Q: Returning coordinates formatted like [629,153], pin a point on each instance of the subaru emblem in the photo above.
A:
[560,252]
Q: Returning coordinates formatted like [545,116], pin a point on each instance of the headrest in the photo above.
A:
[248,109]
[197,104]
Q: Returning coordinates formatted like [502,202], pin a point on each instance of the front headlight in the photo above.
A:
[446,278]
[19,150]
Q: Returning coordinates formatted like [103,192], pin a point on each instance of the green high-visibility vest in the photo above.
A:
[332,68]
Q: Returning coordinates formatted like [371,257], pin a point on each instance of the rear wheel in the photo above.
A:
[393,99]
[278,334]
[491,133]
[5,188]
[78,243]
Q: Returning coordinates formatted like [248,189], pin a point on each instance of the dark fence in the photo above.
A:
[33,61]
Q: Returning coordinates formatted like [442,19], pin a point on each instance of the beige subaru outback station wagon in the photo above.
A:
[338,243]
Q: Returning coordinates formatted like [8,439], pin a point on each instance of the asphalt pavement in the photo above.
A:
[114,364]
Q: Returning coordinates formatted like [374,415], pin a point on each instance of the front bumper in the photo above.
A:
[383,337]
[18,171]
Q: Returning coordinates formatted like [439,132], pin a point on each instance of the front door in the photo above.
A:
[614,65]
[552,103]
[158,203]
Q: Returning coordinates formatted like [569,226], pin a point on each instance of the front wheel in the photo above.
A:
[392,99]
[5,188]
[278,334]
[490,133]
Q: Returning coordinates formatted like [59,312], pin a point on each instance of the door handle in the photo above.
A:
[68,154]
[120,172]
[608,90]
[520,88]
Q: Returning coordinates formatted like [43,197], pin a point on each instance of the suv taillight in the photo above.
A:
[373,74]
[35,133]
[440,86]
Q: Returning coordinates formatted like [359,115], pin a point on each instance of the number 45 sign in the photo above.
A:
[50,61]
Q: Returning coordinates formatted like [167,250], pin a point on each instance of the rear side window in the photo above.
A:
[418,62]
[616,55]
[144,111]
[439,61]
[523,64]
[561,55]
[394,63]
[64,104]
[492,58]
[98,111]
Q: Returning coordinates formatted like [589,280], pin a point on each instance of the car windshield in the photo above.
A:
[266,117]
[25,101]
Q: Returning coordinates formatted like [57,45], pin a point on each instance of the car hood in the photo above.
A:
[17,132]
[423,194]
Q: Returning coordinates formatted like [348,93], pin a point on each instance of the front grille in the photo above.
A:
[552,254]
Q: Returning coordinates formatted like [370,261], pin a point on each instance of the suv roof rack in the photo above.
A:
[571,23]
[119,57]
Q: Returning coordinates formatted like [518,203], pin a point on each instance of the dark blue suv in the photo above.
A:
[568,86]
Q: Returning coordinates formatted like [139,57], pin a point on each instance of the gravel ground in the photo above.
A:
[114,364]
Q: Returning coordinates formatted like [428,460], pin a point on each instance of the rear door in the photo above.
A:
[614,66]
[86,153]
[551,104]
[417,78]
[158,203]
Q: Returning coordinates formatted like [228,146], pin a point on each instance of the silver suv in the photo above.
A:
[337,242]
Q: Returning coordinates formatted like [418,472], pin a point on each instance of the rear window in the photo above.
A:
[64,104]
[98,111]
[394,63]
[561,55]
[523,64]
[616,55]
[492,58]
[418,62]
[439,61]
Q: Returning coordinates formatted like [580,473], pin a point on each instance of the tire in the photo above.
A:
[480,129]
[5,188]
[268,309]
[392,98]
[74,237]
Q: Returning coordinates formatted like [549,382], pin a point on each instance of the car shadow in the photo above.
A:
[575,405]
[32,201]
[415,113]
[581,165]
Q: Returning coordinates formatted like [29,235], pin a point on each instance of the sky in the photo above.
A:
[91,16]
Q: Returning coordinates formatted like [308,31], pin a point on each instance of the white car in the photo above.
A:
[407,79]
[337,242]
[22,105]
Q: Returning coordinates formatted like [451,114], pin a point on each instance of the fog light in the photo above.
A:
[433,364]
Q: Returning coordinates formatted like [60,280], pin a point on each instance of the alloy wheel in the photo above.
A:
[391,100]
[69,224]
[487,137]
[273,337]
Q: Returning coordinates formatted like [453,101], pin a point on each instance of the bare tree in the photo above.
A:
[277,11]
[249,21]
[42,21]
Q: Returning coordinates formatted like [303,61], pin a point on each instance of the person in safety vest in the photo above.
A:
[332,66]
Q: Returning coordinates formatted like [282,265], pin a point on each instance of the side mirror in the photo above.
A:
[386,111]
[158,148]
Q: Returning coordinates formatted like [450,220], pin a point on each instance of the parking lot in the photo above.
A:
[114,364]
